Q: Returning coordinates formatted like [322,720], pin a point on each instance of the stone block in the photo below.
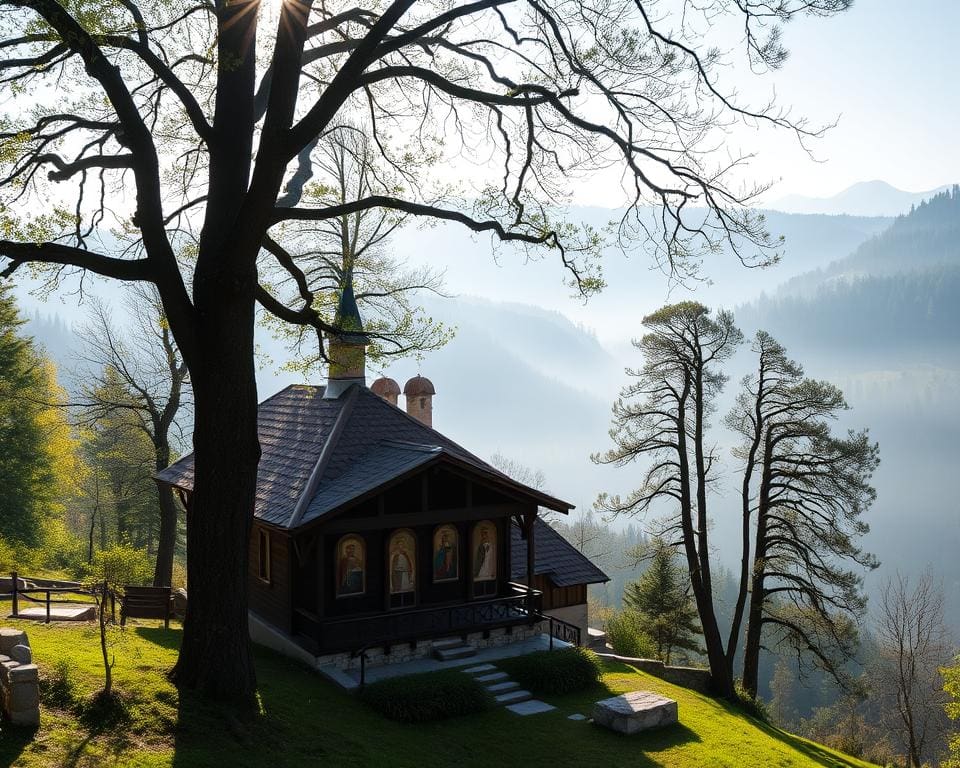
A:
[635,711]
[5,669]
[28,718]
[21,654]
[25,673]
[10,637]
[22,696]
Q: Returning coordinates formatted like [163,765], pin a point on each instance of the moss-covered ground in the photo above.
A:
[306,721]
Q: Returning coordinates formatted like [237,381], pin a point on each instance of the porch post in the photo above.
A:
[528,519]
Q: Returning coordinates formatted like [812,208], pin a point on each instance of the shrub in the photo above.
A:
[554,672]
[428,696]
[752,705]
[627,638]
[59,687]
[121,564]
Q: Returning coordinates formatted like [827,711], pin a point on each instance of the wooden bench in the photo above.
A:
[146,603]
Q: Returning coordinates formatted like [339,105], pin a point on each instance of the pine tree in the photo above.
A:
[662,602]
[38,459]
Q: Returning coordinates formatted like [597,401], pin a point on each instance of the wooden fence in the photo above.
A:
[51,592]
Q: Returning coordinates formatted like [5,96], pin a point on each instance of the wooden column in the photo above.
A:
[528,519]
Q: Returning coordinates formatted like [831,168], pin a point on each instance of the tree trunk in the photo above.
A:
[167,539]
[751,647]
[215,654]
[721,680]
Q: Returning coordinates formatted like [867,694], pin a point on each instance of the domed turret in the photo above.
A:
[419,393]
[386,388]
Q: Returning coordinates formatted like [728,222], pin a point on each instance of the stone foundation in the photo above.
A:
[402,652]
[19,679]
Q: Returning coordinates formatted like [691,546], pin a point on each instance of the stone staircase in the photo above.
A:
[506,692]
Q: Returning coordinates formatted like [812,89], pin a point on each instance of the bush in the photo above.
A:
[59,688]
[626,637]
[752,705]
[554,672]
[121,564]
[428,696]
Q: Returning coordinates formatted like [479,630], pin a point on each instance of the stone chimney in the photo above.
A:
[419,393]
[347,347]
[386,388]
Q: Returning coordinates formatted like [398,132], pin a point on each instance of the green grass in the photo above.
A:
[308,721]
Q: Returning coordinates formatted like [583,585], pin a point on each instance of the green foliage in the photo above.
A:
[752,705]
[664,608]
[58,687]
[120,564]
[426,697]
[951,686]
[627,638]
[38,459]
[555,672]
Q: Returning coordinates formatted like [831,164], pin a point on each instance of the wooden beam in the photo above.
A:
[528,520]
[414,519]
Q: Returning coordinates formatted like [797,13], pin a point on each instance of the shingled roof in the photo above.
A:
[318,454]
[554,557]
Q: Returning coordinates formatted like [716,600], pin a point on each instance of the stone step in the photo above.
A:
[447,642]
[513,697]
[492,677]
[530,707]
[449,654]
[506,685]
[479,669]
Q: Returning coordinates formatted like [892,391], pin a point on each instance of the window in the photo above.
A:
[263,546]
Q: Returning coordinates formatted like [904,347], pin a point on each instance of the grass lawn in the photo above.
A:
[307,721]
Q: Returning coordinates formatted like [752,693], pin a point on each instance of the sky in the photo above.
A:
[886,71]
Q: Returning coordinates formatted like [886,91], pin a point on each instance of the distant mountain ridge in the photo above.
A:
[901,286]
[866,198]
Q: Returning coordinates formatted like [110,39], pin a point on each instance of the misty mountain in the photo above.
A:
[634,286]
[901,288]
[865,198]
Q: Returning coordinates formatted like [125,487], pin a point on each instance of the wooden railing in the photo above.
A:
[352,633]
[562,630]
[48,588]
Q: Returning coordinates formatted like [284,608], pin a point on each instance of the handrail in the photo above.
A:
[432,609]
[16,592]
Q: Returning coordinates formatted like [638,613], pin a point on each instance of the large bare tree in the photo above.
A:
[913,643]
[154,394]
[187,130]
[803,495]
[661,421]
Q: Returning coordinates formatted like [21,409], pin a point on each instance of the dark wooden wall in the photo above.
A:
[271,600]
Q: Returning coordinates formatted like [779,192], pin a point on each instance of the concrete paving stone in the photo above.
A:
[506,685]
[531,707]
[513,697]
[577,716]
[471,670]
[492,677]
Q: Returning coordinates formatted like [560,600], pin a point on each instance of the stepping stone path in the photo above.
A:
[507,692]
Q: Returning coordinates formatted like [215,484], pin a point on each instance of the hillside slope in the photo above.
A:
[307,721]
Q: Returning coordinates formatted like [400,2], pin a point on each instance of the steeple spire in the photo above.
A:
[347,346]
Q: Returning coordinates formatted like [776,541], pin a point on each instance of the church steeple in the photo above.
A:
[347,346]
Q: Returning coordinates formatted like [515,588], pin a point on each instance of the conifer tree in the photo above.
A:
[38,460]
[662,602]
